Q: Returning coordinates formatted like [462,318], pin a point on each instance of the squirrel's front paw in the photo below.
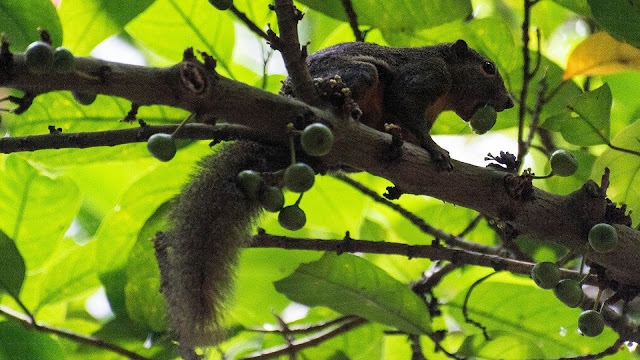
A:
[438,154]
[442,158]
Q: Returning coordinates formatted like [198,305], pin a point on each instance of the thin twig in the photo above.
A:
[310,341]
[466,302]
[250,24]
[608,351]
[82,339]
[353,20]
[307,328]
[449,239]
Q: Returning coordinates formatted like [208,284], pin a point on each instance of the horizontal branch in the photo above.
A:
[433,252]
[196,87]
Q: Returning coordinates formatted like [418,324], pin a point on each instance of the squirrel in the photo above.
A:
[212,217]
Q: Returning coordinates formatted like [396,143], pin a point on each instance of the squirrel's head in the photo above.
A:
[476,81]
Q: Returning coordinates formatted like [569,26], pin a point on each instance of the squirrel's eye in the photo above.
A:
[489,67]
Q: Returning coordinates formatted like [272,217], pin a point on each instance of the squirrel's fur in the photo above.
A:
[212,217]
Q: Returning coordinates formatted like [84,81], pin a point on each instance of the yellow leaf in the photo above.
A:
[601,54]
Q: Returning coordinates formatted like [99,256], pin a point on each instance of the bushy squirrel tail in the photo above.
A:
[210,222]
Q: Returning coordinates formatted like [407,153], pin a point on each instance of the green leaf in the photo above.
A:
[19,343]
[501,343]
[35,210]
[351,285]
[625,168]
[18,20]
[578,6]
[392,16]
[12,267]
[119,230]
[89,22]
[71,272]
[170,26]
[510,304]
[586,122]
[145,303]
[620,18]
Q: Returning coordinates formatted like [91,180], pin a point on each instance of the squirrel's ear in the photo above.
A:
[460,48]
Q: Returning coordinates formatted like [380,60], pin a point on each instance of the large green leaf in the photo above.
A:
[12,267]
[517,312]
[89,22]
[70,272]
[586,122]
[579,6]
[119,230]
[144,301]
[35,209]
[19,343]
[620,18]
[19,22]
[392,16]
[625,168]
[170,26]
[351,285]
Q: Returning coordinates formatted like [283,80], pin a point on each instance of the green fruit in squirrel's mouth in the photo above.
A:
[563,163]
[250,182]
[546,274]
[483,119]
[161,146]
[272,198]
[299,177]
[292,218]
[221,4]
[570,292]
[39,57]
[63,60]
[590,323]
[316,139]
[603,238]
[84,98]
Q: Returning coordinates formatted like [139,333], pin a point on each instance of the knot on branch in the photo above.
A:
[192,77]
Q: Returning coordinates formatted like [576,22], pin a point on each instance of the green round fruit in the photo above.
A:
[316,139]
[39,57]
[250,182]
[221,4]
[590,323]
[272,198]
[483,119]
[570,292]
[299,177]
[563,163]
[546,274]
[603,238]
[161,146]
[84,98]
[63,60]
[292,218]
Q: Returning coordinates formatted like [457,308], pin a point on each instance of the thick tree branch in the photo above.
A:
[196,87]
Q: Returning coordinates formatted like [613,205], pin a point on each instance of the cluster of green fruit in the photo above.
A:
[316,140]
[602,239]
[40,58]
